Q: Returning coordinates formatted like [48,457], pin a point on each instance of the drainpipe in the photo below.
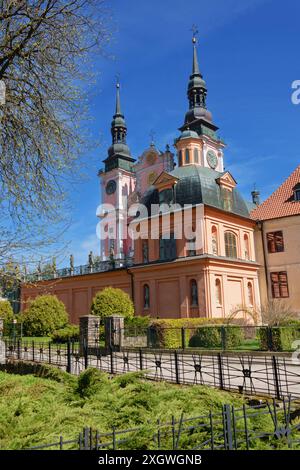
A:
[260,225]
[131,283]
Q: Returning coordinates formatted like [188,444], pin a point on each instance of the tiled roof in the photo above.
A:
[281,203]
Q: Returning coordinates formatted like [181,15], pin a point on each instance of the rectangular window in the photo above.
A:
[297,195]
[279,283]
[275,242]
[167,248]
[145,249]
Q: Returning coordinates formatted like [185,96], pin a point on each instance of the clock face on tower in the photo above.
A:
[111,187]
[212,159]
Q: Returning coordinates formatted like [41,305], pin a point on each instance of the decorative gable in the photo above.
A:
[165,181]
[227,181]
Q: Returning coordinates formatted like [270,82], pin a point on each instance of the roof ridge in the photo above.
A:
[264,205]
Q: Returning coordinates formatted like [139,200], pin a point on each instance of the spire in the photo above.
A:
[118,125]
[118,104]
[118,153]
[198,118]
[196,70]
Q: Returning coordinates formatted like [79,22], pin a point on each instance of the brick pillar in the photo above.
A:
[88,332]
[2,344]
[114,333]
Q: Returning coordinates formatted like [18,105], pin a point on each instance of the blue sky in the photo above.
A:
[249,56]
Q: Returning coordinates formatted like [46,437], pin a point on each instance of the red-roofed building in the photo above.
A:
[277,242]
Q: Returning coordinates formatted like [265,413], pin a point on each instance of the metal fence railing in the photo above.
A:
[264,374]
[214,337]
[269,425]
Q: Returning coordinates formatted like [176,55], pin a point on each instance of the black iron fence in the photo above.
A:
[214,337]
[260,374]
[269,425]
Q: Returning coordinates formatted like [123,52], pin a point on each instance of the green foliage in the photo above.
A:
[279,338]
[89,382]
[6,312]
[136,326]
[227,337]
[35,410]
[111,301]
[68,333]
[44,315]
[168,334]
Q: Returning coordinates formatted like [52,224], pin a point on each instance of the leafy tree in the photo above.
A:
[111,301]
[45,45]
[6,311]
[44,315]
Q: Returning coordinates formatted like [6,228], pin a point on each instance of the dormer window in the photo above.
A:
[296,190]
[297,195]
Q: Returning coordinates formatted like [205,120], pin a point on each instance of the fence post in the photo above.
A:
[220,367]
[18,350]
[2,343]
[228,436]
[85,353]
[183,338]
[69,365]
[223,338]
[176,367]
[141,358]
[270,338]
[276,377]
[33,351]
[111,361]
[49,352]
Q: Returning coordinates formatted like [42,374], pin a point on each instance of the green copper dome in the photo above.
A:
[198,185]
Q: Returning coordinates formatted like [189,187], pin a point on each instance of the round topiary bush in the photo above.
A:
[111,301]
[44,315]
[7,313]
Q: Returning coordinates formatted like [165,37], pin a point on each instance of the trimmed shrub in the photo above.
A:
[278,338]
[136,326]
[111,301]
[168,333]
[44,315]
[7,313]
[229,337]
[68,333]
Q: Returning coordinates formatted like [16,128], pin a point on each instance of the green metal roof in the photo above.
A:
[198,185]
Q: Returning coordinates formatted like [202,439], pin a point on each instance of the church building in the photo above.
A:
[187,248]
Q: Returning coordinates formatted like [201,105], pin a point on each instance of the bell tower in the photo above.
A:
[198,143]
[117,182]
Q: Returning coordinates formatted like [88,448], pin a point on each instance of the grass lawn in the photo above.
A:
[36,410]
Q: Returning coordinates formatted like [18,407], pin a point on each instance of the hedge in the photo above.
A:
[227,337]
[136,326]
[68,333]
[168,333]
[278,338]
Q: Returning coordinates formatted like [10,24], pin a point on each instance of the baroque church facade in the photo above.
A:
[195,261]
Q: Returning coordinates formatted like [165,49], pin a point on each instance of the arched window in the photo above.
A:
[246,247]
[196,155]
[180,158]
[218,292]
[146,296]
[214,240]
[194,293]
[250,293]
[187,156]
[230,245]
